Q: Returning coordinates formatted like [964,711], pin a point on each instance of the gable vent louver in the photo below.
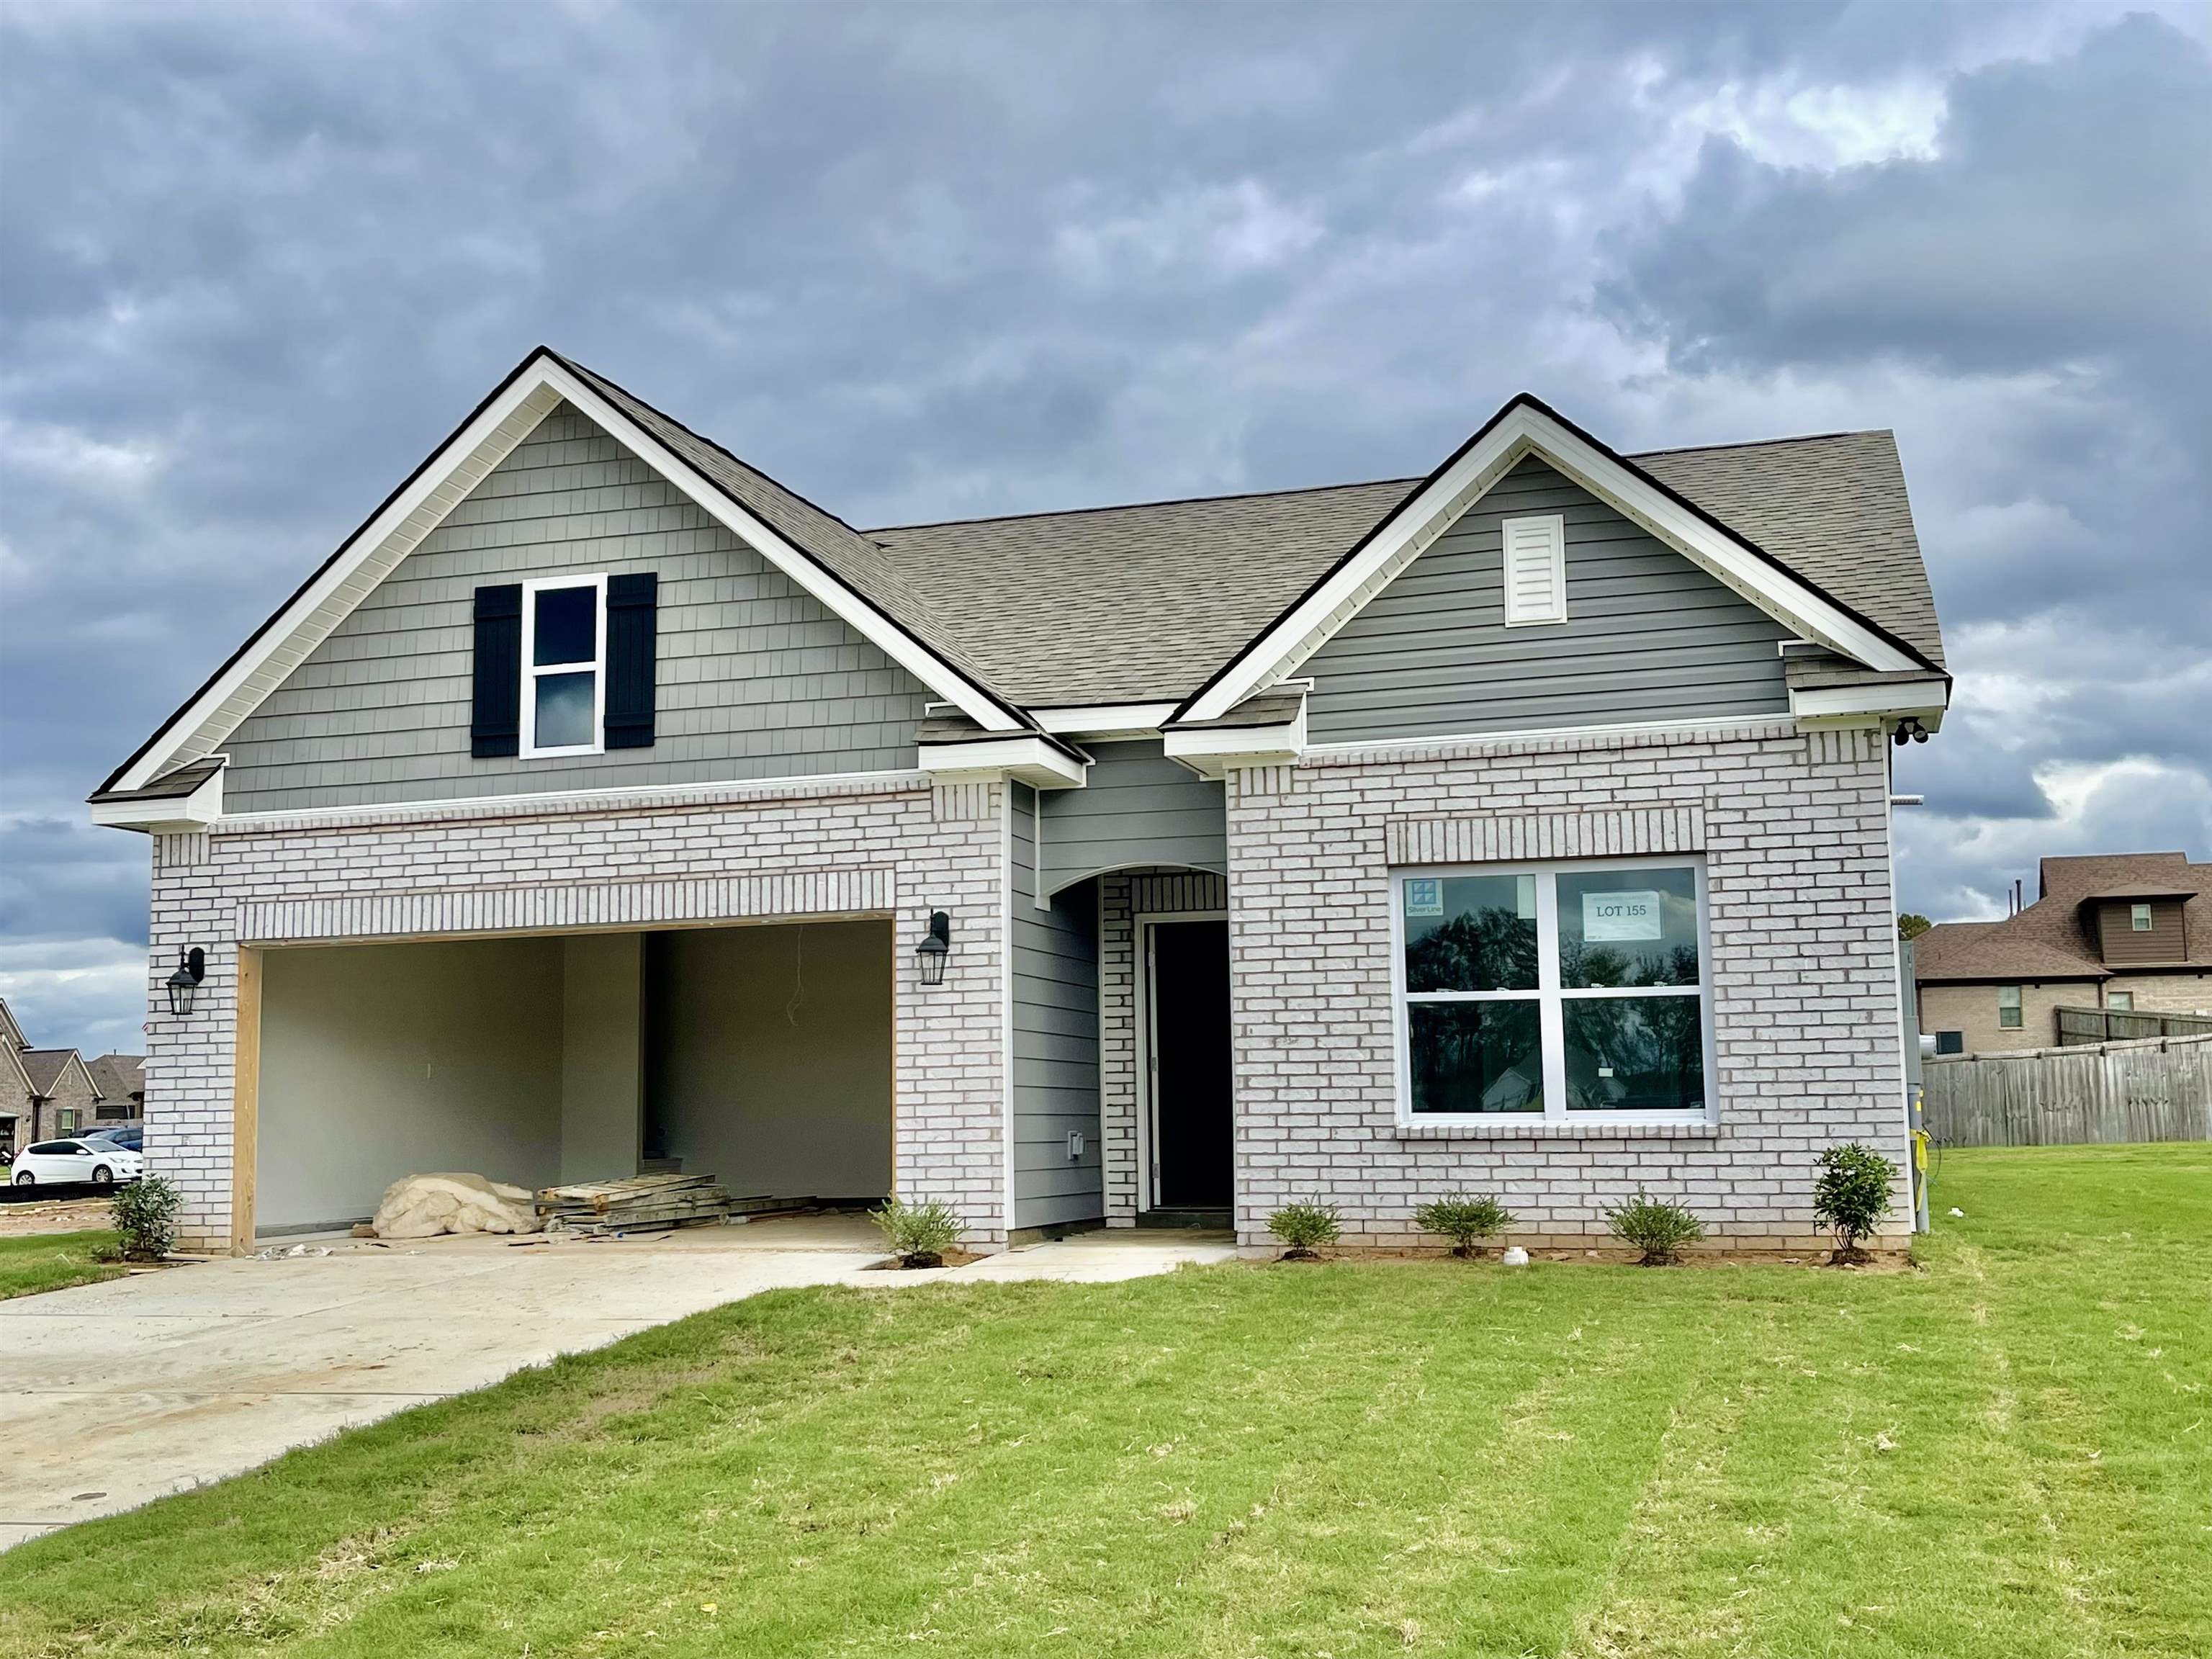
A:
[1535,570]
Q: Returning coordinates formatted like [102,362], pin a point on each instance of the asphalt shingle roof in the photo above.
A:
[1130,603]
[2052,939]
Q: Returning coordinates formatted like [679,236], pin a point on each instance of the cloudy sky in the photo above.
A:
[923,262]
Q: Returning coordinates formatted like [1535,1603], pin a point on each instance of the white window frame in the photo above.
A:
[1550,996]
[1555,532]
[2120,1002]
[531,672]
[2140,919]
[2018,1005]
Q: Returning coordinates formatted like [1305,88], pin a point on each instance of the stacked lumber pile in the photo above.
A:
[648,1203]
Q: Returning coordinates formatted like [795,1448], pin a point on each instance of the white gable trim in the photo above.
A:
[458,467]
[1524,428]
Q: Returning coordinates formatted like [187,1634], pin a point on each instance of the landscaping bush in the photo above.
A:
[918,1234]
[1304,1229]
[146,1219]
[1657,1228]
[1851,1195]
[1465,1219]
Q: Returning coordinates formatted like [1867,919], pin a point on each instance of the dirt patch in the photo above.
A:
[954,1257]
[54,1215]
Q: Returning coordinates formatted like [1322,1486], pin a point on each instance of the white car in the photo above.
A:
[99,1161]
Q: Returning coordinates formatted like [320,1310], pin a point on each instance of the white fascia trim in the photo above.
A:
[892,640]
[616,796]
[1925,699]
[1099,719]
[457,469]
[1034,761]
[1525,430]
[1210,753]
[175,815]
[1698,726]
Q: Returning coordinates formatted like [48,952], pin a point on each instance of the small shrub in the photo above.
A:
[1304,1229]
[146,1218]
[1464,1219]
[1851,1195]
[918,1233]
[1658,1229]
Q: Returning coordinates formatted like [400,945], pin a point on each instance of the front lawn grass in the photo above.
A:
[54,1261]
[2007,1455]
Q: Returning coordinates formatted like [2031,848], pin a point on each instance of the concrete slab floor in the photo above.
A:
[170,1380]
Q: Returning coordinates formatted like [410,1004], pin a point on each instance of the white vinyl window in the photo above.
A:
[2139,918]
[1535,559]
[2008,1018]
[2121,1002]
[1565,991]
[564,656]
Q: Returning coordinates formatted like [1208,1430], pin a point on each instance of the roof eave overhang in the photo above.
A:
[163,814]
[1043,762]
[1883,704]
[535,387]
[1212,752]
[1524,426]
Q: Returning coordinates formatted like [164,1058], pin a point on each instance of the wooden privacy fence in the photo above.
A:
[2077,1026]
[2160,1090]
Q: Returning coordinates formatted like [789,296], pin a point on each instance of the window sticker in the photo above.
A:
[1425,895]
[1610,918]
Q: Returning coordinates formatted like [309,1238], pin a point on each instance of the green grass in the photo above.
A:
[53,1261]
[2007,1454]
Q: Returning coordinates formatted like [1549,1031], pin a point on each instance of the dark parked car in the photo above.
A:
[131,1137]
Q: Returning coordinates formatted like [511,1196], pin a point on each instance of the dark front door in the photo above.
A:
[1191,1086]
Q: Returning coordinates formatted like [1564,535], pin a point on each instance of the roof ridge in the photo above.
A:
[1764,443]
[1131,507]
[1326,488]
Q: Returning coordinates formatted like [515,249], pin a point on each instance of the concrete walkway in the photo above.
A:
[113,1395]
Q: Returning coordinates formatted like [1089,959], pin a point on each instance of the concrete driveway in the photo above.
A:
[113,1395]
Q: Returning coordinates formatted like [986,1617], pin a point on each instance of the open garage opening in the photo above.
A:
[757,1053]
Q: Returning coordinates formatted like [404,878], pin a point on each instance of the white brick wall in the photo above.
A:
[654,858]
[1793,828]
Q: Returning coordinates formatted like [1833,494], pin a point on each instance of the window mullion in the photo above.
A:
[1551,1022]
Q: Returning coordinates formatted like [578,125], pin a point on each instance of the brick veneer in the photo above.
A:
[1793,828]
[654,858]
[1123,896]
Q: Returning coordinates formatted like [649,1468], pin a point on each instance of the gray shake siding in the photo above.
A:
[1649,635]
[755,678]
[1136,806]
[1055,1039]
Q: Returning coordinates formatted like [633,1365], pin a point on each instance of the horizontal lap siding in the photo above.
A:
[1055,1040]
[1136,807]
[753,678]
[1649,636]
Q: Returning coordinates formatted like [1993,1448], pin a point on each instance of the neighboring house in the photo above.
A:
[2130,933]
[1523,827]
[44,1092]
[18,1100]
[61,1093]
[120,1082]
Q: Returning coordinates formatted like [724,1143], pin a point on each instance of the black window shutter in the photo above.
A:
[632,637]
[495,716]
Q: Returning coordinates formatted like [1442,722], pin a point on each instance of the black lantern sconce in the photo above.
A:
[936,945]
[184,985]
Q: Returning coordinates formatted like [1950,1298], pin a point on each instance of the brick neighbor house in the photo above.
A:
[2122,935]
[1523,827]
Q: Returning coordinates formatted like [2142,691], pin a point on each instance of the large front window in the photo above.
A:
[1552,990]
[563,662]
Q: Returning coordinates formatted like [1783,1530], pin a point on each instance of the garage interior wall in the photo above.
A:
[769,1056]
[382,1060]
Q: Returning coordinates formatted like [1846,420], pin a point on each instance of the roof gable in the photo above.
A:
[48,1069]
[745,501]
[1524,426]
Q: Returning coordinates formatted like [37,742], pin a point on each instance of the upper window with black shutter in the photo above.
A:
[564,680]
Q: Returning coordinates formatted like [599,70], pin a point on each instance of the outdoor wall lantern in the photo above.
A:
[936,945]
[1909,730]
[184,985]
